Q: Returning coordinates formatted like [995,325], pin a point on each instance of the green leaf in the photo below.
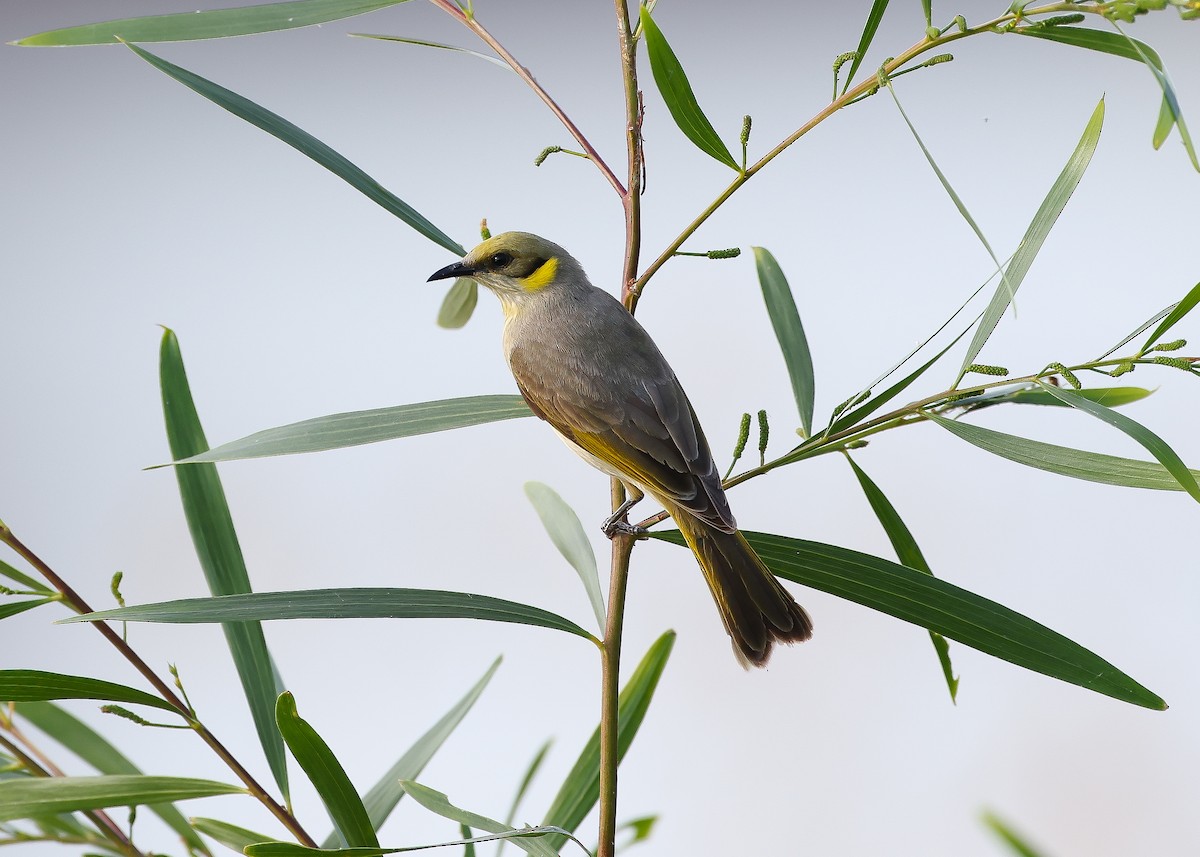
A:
[1113,397]
[37,686]
[385,794]
[581,789]
[1063,460]
[530,773]
[358,427]
[219,552]
[1178,311]
[12,608]
[639,828]
[291,849]
[785,319]
[34,796]
[326,774]
[677,92]
[1015,842]
[304,143]
[25,580]
[438,803]
[864,41]
[1152,442]
[229,835]
[88,745]
[355,603]
[1052,206]
[427,44]
[909,554]
[1009,288]
[459,304]
[939,606]
[211,24]
[565,530]
[1120,45]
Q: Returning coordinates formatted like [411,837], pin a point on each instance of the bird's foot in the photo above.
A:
[613,527]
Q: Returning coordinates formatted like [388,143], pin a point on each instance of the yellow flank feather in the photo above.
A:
[542,277]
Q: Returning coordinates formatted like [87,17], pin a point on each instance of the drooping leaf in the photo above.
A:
[1052,206]
[326,774]
[23,579]
[355,603]
[1120,45]
[785,319]
[676,91]
[438,803]
[34,796]
[1178,311]
[1112,397]
[427,44]
[1154,444]
[211,24]
[219,552]
[459,304]
[1063,460]
[385,794]
[1009,837]
[291,849]
[356,428]
[864,41]
[565,530]
[90,746]
[909,554]
[939,606]
[37,686]
[581,789]
[229,835]
[304,143]
[12,608]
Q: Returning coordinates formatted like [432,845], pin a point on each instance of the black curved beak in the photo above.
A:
[458,269]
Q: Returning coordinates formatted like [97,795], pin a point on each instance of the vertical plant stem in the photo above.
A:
[622,547]
[73,600]
[633,143]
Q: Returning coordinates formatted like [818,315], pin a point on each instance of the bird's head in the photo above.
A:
[516,266]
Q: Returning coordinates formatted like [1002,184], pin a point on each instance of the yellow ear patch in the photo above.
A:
[542,277]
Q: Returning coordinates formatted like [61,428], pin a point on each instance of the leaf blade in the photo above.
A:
[937,605]
[878,7]
[676,91]
[459,304]
[566,532]
[40,686]
[439,803]
[354,428]
[1178,311]
[306,144]
[789,332]
[33,796]
[229,835]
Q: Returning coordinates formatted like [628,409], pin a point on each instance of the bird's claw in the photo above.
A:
[613,528]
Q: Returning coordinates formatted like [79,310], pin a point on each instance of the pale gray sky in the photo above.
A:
[131,202]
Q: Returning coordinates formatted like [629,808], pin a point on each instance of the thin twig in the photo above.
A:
[472,23]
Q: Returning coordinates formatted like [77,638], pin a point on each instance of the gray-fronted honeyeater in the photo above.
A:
[587,367]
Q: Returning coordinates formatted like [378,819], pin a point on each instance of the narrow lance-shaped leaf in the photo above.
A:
[355,603]
[581,789]
[1178,311]
[878,7]
[1052,206]
[338,431]
[385,794]
[229,835]
[34,796]
[13,608]
[785,319]
[1120,45]
[37,686]
[530,772]
[90,746]
[1016,843]
[23,579]
[326,774]
[291,849]
[459,304]
[939,606]
[1009,288]
[1063,460]
[439,803]
[219,551]
[565,530]
[1156,446]
[304,143]
[909,554]
[211,24]
[676,91]
[428,44]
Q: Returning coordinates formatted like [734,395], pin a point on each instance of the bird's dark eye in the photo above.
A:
[500,260]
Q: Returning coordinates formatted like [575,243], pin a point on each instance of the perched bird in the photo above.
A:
[587,367]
